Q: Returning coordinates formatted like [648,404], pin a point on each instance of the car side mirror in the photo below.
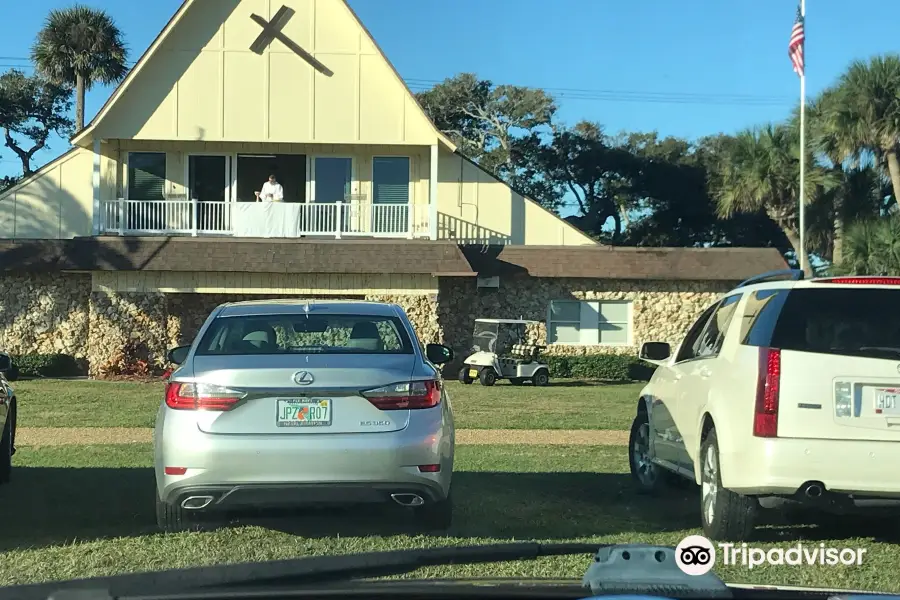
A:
[5,363]
[178,355]
[438,354]
[655,351]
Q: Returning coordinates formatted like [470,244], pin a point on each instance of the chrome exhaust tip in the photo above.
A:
[814,490]
[196,502]
[408,499]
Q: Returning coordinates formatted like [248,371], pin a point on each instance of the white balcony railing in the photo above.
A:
[259,219]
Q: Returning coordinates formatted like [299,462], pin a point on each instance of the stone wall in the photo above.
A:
[59,313]
[661,310]
[422,313]
[45,313]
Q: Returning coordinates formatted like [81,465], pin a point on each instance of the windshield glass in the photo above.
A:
[317,334]
[485,337]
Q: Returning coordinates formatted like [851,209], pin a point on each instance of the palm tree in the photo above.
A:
[80,46]
[872,247]
[861,116]
[859,193]
[760,170]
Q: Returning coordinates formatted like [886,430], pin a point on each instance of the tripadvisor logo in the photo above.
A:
[696,555]
[796,555]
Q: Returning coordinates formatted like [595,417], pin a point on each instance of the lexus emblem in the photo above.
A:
[303,378]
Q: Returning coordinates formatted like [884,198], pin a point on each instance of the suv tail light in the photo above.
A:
[406,396]
[201,396]
[861,280]
[765,417]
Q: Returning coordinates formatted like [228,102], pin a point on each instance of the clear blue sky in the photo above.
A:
[710,65]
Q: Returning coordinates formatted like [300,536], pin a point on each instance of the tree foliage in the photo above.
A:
[484,120]
[32,108]
[872,247]
[860,117]
[80,46]
[760,171]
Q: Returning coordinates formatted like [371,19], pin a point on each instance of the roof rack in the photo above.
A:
[791,274]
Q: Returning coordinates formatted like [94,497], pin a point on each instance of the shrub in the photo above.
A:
[49,365]
[131,360]
[606,367]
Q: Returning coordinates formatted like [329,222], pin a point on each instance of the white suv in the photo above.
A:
[785,391]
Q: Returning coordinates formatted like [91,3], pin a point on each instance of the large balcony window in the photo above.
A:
[219,194]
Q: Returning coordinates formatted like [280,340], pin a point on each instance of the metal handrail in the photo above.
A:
[792,274]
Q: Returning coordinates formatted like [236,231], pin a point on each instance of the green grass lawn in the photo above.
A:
[56,525]
[562,405]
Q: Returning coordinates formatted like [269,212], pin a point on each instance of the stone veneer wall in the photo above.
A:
[661,310]
[58,313]
[49,313]
[45,313]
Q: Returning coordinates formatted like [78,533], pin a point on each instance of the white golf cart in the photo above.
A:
[499,351]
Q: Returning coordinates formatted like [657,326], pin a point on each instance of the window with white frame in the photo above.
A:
[146,175]
[332,178]
[390,180]
[589,322]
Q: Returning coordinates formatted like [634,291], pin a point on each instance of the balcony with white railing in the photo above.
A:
[353,218]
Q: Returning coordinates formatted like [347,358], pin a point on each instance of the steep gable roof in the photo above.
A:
[84,136]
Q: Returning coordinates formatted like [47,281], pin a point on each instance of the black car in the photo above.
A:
[8,372]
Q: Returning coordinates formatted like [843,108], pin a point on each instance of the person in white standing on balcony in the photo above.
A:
[271,191]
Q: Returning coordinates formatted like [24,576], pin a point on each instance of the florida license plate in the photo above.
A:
[303,412]
[887,400]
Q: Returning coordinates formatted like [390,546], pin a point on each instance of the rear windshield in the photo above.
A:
[301,334]
[845,321]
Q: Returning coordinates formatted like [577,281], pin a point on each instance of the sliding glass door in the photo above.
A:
[209,183]
[253,171]
[332,181]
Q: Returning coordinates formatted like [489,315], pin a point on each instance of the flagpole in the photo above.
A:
[802,256]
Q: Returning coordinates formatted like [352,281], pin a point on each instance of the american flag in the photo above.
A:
[795,47]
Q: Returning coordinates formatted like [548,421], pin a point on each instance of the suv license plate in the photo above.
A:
[887,400]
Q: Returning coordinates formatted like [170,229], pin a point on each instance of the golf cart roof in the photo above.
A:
[503,321]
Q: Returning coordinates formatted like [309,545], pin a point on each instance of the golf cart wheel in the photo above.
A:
[541,378]
[464,376]
[487,377]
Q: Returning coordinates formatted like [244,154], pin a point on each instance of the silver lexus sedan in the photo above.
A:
[294,403]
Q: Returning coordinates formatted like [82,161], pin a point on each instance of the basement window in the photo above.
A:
[606,323]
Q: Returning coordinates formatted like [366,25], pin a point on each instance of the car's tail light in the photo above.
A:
[765,417]
[860,280]
[201,396]
[406,396]
[175,470]
[430,468]
[843,399]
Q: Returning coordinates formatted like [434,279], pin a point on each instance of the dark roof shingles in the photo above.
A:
[230,255]
[592,262]
[386,256]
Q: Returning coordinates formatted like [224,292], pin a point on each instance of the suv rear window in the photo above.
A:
[846,321]
[301,334]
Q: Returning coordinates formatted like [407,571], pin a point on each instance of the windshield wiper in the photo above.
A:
[300,571]
[632,568]
[889,350]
